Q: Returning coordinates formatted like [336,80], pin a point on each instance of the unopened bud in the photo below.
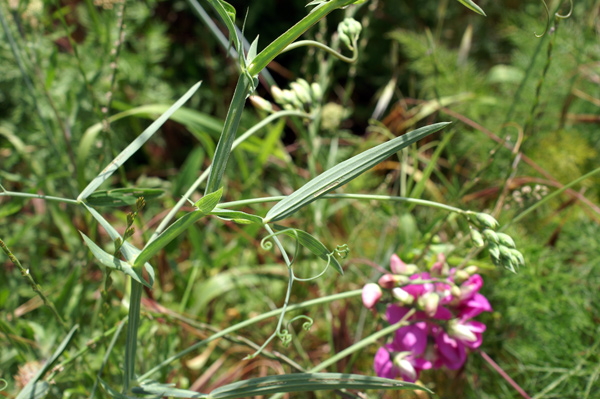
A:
[461,276]
[402,296]
[301,93]
[506,240]
[371,294]
[429,303]
[490,235]
[277,94]
[471,269]
[396,265]
[389,281]
[487,221]
[261,103]
[460,331]
[455,291]
[476,238]
[405,366]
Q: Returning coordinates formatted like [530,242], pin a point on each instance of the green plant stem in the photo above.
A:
[6,193]
[109,349]
[246,323]
[416,201]
[280,114]
[133,323]
[302,43]
[278,45]
[34,286]
[232,121]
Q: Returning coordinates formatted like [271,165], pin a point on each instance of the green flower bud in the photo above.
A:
[487,220]
[461,276]
[261,103]
[476,238]
[317,93]
[506,240]
[519,256]
[491,236]
[277,94]
[301,93]
[471,269]
[494,250]
[349,31]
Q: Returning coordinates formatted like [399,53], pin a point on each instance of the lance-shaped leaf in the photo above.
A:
[313,245]
[204,205]
[166,390]
[227,13]
[472,6]
[343,172]
[122,196]
[236,216]
[127,249]
[307,382]
[110,261]
[135,145]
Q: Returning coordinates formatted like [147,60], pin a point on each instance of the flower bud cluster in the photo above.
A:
[300,96]
[502,247]
[444,300]
[349,31]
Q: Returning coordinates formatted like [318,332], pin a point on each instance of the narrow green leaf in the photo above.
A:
[122,196]
[128,250]
[236,216]
[227,13]
[313,245]
[472,6]
[307,382]
[205,205]
[135,145]
[252,51]
[344,172]
[110,261]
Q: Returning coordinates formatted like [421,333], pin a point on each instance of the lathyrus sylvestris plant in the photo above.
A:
[133,262]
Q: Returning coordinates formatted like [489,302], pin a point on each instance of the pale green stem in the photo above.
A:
[33,196]
[34,285]
[324,47]
[246,323]
[133,323]
[232,121]
[416,201]
[280,114]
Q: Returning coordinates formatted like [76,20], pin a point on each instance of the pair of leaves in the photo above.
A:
[298,382]
[136,258]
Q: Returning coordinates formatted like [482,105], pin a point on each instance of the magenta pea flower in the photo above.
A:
[473,307]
